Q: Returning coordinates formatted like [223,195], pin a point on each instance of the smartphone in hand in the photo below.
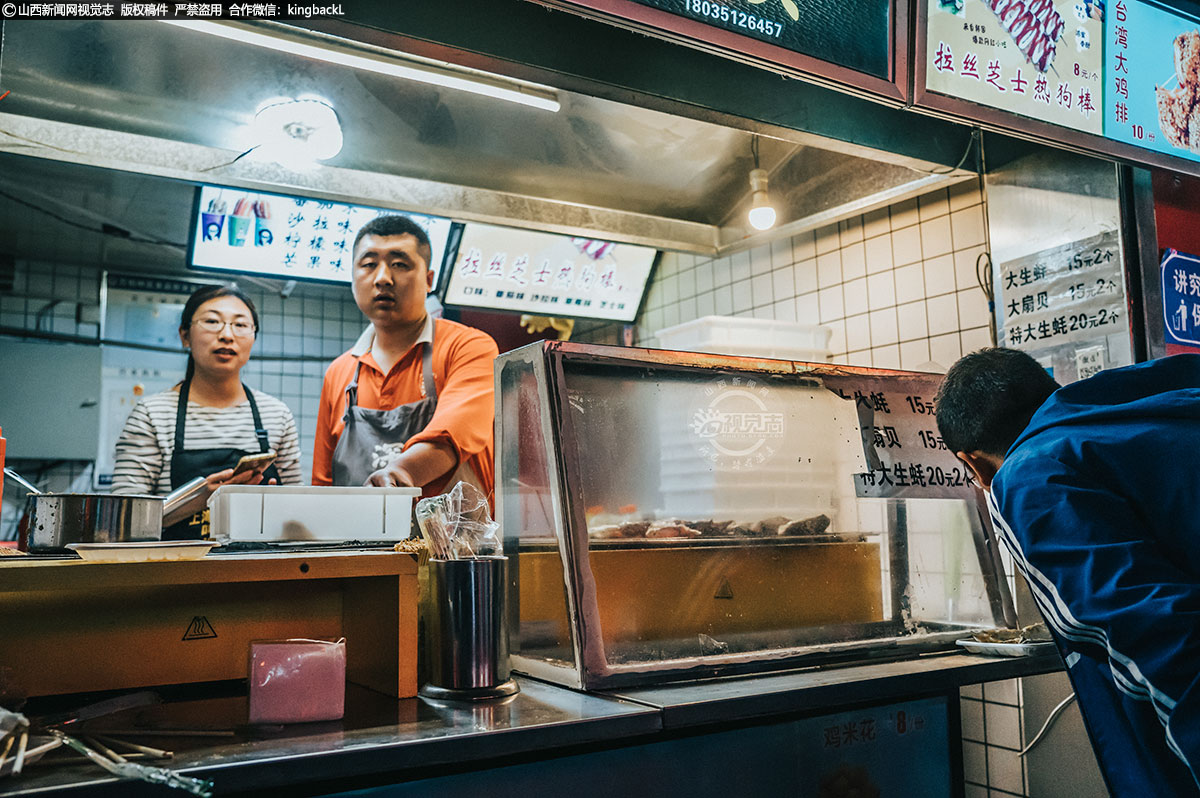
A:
[259,463]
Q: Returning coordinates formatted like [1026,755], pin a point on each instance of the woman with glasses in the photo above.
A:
[205,424]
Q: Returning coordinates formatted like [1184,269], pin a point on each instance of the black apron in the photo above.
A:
[370,439]
[187,464]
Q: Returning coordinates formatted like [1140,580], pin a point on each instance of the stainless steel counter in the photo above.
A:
[384,740]
[379,736]
[814,690]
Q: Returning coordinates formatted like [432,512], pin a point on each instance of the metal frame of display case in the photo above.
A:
[591,669]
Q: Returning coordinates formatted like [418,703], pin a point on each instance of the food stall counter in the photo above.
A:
[544,733]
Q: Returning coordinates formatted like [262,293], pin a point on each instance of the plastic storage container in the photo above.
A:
[274,513]
[727,335]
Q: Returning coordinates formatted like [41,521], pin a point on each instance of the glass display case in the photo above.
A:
[671,515]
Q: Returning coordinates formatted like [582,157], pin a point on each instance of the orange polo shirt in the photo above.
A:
[462,374]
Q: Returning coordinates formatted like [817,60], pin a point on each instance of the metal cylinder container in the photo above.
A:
[465,630]
[57,519]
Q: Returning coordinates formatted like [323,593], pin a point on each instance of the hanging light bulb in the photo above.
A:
[762,214]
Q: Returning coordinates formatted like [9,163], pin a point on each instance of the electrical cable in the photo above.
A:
[971,143]
[114,230]
[1054,713]
[41,314]
[985,280]
[19,137]
[231,163]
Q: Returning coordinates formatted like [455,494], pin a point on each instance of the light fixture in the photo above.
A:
[409,67]
[296,132]
[762,214]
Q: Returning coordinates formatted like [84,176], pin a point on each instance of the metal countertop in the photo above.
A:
[385,740]
[816,689]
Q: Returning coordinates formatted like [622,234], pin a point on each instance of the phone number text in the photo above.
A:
[738,19]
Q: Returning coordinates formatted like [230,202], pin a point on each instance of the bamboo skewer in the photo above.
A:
[19,760]
[4,754]
[104,749]
[157,753]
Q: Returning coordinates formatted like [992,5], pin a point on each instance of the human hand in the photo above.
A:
[228,477]
[393,475]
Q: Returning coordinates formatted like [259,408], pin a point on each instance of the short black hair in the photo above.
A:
[987,399]
[396,225]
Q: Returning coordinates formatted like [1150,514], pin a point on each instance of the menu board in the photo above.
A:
[297,238]
[1153,70]
[906,458]
[850,33]
[1038,58]
[502,268]
[1068,294]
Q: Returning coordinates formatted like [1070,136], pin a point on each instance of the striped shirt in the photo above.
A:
[143,461]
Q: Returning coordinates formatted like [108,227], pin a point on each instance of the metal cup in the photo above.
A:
[465,629]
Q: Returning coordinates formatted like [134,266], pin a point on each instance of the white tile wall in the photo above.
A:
[299,335]
[897,285]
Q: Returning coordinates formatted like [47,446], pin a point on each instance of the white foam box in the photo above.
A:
[745,337]
[275,513]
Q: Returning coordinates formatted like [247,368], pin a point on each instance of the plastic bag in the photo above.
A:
[458,525]
[297,680]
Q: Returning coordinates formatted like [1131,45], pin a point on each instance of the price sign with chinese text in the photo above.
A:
[1152,70]
[856,752]
[1067,294]
[906,457]
[1037,58]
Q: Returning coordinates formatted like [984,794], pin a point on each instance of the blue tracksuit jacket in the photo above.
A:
[1099,502]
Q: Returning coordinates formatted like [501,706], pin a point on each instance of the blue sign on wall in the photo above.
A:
[1181,298]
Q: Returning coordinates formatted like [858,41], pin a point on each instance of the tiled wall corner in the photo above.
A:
[897,286]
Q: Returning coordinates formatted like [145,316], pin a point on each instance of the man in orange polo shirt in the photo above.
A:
[411,404]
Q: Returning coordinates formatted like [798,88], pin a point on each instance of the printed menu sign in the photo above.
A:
[1063,295]
[547,274]
[905,455]
[1037,58]
[273,235]
[1152,68]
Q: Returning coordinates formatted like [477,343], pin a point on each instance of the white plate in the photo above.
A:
[1007,649]
[147,551]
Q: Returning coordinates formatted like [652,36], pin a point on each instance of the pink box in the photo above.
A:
[297,681]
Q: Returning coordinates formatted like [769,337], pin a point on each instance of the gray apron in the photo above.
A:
[372,438]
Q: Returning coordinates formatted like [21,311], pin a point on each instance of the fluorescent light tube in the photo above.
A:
[398,65]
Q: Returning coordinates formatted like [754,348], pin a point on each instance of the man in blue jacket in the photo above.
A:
[1095,489]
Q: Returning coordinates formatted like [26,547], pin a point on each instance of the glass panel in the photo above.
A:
[538,602]
[723,519]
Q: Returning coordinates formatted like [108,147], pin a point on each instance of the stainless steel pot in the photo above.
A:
[56,519]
